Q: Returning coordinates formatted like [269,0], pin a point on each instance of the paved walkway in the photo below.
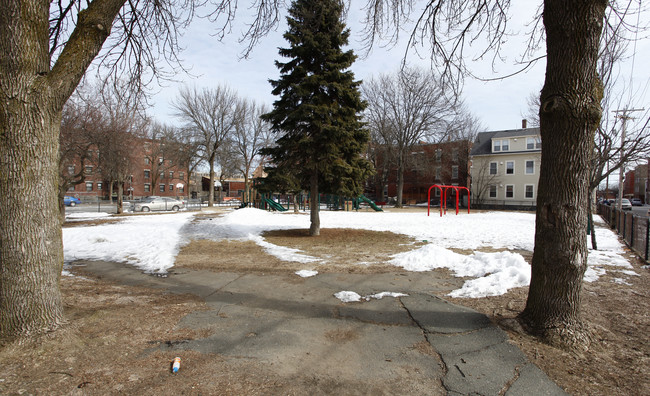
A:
[296,325]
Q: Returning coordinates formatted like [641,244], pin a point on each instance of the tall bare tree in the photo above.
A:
[251,135]
[212,115]
[406,108]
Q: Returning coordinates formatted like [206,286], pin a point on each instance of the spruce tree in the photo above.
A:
[317,113]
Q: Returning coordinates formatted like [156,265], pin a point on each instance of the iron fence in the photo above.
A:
[632,228]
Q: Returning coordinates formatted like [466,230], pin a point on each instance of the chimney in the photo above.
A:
[524,124]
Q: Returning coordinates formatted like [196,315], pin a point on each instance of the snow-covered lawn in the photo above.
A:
[152,242]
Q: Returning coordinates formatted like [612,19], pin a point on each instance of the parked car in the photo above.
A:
[636,202]
[625,204]
[71,201]
[158,203]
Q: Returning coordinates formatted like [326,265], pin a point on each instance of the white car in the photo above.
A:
[625,204]
[158,203]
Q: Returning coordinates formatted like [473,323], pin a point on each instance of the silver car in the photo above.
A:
[158,203]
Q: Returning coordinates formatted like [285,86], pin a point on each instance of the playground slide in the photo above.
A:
[274,205]
[369,202]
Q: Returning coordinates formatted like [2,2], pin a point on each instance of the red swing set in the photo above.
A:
[443,197]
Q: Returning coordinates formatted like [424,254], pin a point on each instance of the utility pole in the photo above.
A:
[621,172]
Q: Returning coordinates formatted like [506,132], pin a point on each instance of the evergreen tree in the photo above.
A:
[317,113]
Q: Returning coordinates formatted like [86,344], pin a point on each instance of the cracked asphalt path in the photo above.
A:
[418,344]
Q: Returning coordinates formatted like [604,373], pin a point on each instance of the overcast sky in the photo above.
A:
[498,104]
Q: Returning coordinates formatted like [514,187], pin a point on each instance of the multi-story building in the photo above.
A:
[151,174]
[635,183]
[505,168]
[427,164]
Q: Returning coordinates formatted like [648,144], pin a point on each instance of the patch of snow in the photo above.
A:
[348,296]
[306,273]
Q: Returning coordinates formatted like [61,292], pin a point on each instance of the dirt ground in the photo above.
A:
[112,341]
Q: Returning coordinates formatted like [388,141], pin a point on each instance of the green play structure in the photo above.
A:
[274,205]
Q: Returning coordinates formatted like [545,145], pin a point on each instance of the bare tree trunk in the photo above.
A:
[31,249]
[120,200]
[594,245]
[295,203]
[211,188]
[569,114]
[400,183]
[314,229]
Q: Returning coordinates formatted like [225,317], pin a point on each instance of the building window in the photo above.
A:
[70,169]
[493,168]
[147,187]
[454,155]
[147,174]
[438,155]
[88,169]
[162,188]
[530,192]
[100,185]
[146,161]
[89,186]
[496,146]
[510,167]
[538,143]
[171,187]
[171,174]
[454,172]
[530,143]
[437,173]
[181,189]
[160,160]
[493,191]
[505,145]
[162,175]
[510,191]
[530,167]
[181,175]
[71,188]
[437,192]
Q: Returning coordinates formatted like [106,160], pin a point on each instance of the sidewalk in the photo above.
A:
[414,345]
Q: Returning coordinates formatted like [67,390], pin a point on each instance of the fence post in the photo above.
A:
[647,234]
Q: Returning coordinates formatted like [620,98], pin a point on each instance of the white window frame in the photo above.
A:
[438,173]
[505,145]
[161,187]
[171,187]
[506,191]
[513,167]
[496,145]
[526,171]
[526,191]
[89,186]
[147,187]
[454,172]
[496,168]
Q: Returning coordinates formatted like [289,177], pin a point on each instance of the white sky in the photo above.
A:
[499,104]
[151,243]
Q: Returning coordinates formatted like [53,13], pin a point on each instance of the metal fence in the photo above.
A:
[632,228]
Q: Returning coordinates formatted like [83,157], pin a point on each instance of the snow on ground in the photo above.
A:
[152,242]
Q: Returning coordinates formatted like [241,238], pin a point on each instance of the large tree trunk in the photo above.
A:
[120,199]
[590,212]
[31,249]
[314,206]
[400,183]
[211,188]
[569,114]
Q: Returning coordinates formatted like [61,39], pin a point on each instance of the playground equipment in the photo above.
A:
[274,205]
[369,202]
[443,197]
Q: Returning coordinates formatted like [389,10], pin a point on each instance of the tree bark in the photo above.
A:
[31,249]
[594,245]
[400,183]
[314,207]
[569,114]
[211,188]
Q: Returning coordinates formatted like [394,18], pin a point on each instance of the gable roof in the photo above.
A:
[483,142]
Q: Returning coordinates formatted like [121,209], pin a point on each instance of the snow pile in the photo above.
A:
[306,273]
[350,296]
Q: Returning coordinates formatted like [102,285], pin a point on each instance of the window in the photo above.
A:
[162,188]
[146,161]
[505,145]
[147,174]
[454,172]
[147,187]
[438,155]
[89,186]
[496,146]
[181,175]
[530,143]
[529,191]
[510,167]
[160,160]
[171,187]
[162,175]
[181,189]
[437,173]
[88,169]
[437,194]
[530,167]
[171,174]
[493,168]
[510,191]
[71,169]
[538,143]
[71,188]
[493,191]
[100,185]
[454,155]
